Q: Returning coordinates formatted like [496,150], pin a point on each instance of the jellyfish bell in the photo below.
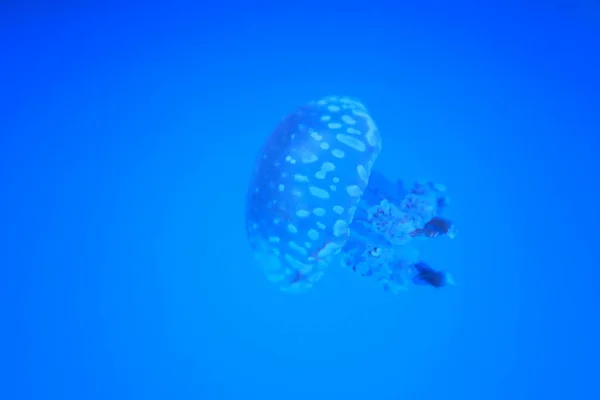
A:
[308,179]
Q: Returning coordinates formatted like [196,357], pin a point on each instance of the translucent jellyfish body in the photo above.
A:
[314,200]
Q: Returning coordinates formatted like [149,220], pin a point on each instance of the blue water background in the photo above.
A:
[127,136]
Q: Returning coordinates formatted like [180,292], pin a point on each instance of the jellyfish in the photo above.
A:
[314,200]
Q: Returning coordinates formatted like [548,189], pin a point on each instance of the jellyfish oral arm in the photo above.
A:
[388,218]
[390,211]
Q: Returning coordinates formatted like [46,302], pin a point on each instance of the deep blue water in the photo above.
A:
[127,137]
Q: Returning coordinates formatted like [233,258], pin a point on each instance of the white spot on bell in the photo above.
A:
[340,228]
[362,173]
[301,178]
[352,211]
[302,213]
[309,157]
[354,191]
[351,141]
[298,248]
[348,120]
[316,136]
[319,212]
[330,249]
[318,192]
[337,153]
[327,167]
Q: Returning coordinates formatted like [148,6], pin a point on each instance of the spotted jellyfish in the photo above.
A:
[314,200]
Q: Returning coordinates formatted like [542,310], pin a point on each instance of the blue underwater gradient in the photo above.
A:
[127,142]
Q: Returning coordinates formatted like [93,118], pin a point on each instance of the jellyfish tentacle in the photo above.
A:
[386,223]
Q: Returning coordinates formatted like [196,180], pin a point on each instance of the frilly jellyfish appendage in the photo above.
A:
[305,188]
[388,218]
